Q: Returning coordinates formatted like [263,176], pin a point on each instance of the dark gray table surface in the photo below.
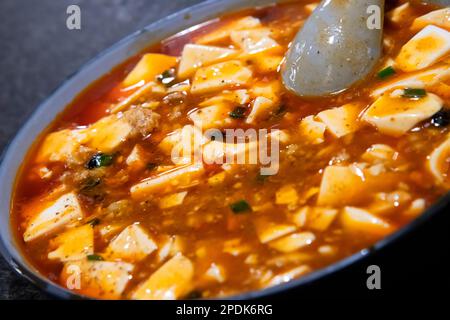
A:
[37,52]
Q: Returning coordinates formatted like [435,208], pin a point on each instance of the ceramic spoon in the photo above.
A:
[334,49]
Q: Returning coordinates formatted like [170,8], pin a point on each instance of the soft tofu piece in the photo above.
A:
[339,185]
[148,67]
[438,163]
[342,120]
[315,218]
[220,76]
[439,18]
[171,281]
[268,231]
[313,130]
[385,203]
[270,90]
[347,185]
[217,152]
[61,146]
[180,177]
[397,115]
[425,49]
[261,109]
[215,116]
[184,139]
[254,41]
[195,56]
[223,33]
[267,63]
[100,279]
[288,275]
[419,79]
[361,221]
[170,246]
[172,200]
[379,153]
[108,133]
[74,244]
[52,216]
[216,273]
[136,160]
[400,15]
[293,242]
[132,244]
[286,195]
[234,97]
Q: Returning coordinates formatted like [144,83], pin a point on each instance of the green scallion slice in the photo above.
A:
[386,72]
[240,207]
[238,113]
[414,93]
[94,257]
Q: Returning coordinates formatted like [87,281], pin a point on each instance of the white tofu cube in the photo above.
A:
[195,56]
[215,116]
[61,146]
[101,279]
[136,158]
[361,221]
[171,281]
[397,115]
[108,133]
[341,121]
[261,109]
[268,231]
[132,244]
[220,76]
[74,244]
[439,18]
[52,216]
[255,41]
[419,79]
[180,177]
[293,242]
[312,130]
[438,163]
[148,67]
[339,186]
[425,49]
[223,33]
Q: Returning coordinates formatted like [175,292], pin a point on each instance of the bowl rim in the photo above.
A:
[213,8]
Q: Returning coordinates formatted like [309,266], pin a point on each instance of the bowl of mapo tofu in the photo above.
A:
[96,206]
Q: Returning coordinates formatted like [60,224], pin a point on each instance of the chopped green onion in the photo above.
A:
[94,222]
[414,93]
[152,166]
[167,78]
[94,257]
[386,72]
[238,113]
[240,206]
[100,160]
[281,110]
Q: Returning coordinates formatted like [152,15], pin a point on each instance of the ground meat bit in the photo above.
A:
[142,120]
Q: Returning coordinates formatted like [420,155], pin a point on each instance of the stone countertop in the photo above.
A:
[37,52]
